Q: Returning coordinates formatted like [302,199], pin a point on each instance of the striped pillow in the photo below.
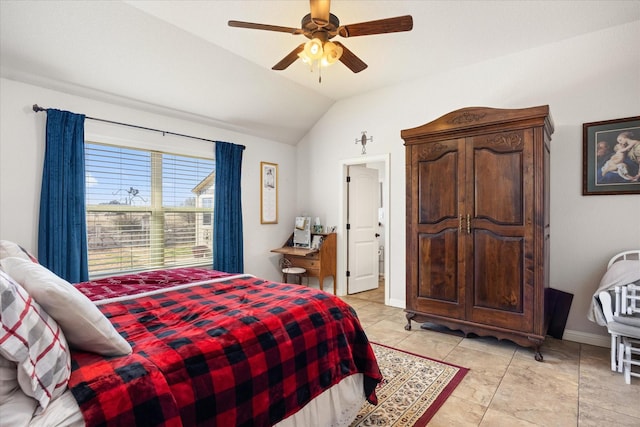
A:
[32,339]
[83,324]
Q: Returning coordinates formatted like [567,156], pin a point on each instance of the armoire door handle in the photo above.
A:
[468,224]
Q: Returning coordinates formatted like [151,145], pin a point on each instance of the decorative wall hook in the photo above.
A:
[363,140]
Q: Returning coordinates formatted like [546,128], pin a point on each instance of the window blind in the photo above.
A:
[147,209]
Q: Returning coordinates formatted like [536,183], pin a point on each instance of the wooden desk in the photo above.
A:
[319,263]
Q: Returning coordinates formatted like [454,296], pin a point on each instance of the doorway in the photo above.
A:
[363,228]
[380,256]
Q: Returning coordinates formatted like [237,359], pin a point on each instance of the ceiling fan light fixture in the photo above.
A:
[313,49]
[303,56]
[332,53]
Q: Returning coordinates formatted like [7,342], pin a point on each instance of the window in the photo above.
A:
[147,209]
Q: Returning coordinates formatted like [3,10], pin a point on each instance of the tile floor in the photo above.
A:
[505,386]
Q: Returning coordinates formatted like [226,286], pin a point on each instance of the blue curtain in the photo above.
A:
[62,231]
[228,251]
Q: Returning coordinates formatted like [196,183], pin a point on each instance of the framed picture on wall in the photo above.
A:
[611,157]
[268,193]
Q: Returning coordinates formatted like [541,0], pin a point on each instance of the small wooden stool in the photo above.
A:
[288,269]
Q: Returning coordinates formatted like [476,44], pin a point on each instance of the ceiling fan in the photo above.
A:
[320,26]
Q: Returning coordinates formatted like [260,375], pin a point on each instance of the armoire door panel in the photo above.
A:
[497,271]
[437,273]
[437,188]
[499,290]
[498,177]
[438,282]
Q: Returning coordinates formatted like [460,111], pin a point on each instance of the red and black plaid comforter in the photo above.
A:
[131,284]
[242,351]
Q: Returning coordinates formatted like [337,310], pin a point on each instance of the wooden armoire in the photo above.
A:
[478,222]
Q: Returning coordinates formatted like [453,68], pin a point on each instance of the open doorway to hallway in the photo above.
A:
[379,254]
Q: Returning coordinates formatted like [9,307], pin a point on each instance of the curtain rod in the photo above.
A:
[37,109]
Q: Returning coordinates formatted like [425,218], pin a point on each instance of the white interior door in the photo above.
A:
[362,218]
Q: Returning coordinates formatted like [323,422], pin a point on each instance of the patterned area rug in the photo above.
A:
[413,389]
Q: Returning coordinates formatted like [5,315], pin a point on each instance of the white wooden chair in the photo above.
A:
[613,329]
[627,311]
[629,299]
[630,358]
[612,302]
[625,335]
[632,254]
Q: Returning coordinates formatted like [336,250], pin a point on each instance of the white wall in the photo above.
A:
[590,78]
[22,152]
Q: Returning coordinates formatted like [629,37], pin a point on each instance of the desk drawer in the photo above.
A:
[304,262]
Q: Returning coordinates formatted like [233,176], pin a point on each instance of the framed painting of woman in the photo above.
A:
[611,157]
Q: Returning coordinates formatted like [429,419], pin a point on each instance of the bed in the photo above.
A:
[206,348]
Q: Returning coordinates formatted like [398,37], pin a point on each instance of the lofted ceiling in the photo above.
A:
[181,58]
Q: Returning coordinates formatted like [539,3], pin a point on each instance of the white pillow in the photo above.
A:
[10,249]
[84,326]
[32,339]
[8,378]
[16,408]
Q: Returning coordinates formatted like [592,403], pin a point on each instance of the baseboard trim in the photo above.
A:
[587,338]
[397,303]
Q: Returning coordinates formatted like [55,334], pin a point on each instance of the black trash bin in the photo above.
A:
[556,307]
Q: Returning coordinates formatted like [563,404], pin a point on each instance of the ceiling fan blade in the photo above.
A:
[253,26]
[349,59]
[289,59]
[320,12]
[381,26]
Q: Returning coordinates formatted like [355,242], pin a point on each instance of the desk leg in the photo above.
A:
[321,280]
